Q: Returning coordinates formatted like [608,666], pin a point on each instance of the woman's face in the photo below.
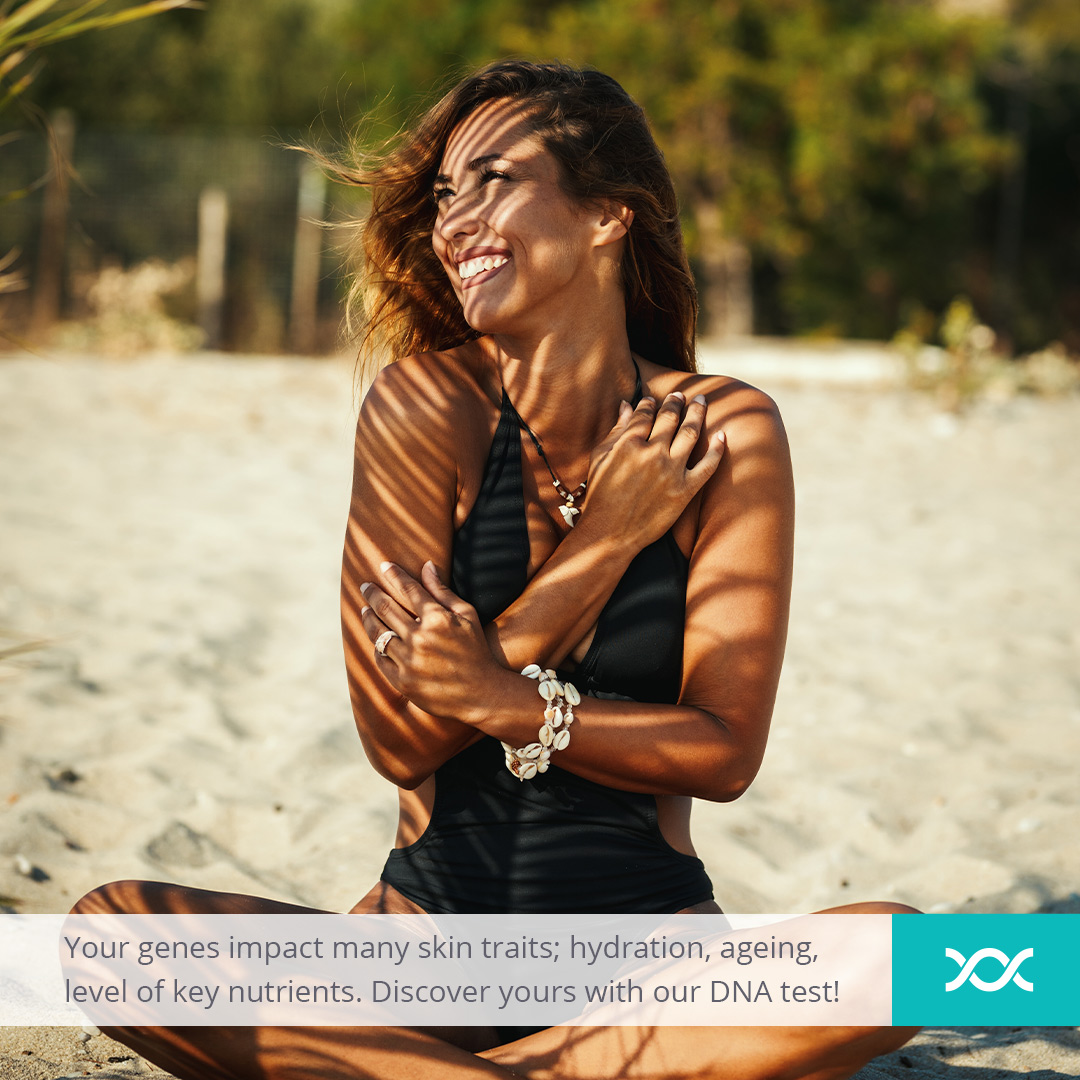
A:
[512,242]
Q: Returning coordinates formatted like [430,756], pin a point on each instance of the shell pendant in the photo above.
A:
[569,511]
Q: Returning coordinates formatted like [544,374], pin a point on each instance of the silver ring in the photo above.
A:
[383,640]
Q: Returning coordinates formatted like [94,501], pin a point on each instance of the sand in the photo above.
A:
[172,531]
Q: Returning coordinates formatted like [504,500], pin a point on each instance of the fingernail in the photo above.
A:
[678,395]
[699,398]
[720,437]
[384,566]
[364,610]
[365,586]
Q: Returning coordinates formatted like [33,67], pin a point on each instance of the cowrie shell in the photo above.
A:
[561,740]
[531,671]
[570,692]
[528,770]
[532,750]
[547,733]
[549,689]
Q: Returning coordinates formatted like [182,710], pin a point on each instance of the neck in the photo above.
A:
[567,389]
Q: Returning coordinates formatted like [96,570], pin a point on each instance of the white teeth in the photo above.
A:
[471,267]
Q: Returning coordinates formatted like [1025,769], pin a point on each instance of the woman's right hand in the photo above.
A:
[640,477]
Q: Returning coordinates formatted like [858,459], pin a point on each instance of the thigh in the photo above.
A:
[730,1053]
[132,897]
[313,1053]
[384,899]
[696,1053]
[209,1053]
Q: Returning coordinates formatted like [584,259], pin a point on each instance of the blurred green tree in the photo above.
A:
[258,64]
[29,26]
[847,164]
[836,147]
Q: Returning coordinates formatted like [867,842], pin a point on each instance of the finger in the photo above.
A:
[374,627]
[686,438]
[641,420]
[442,594]
[626,413]
[668,417]
[372,624]
[709,463]
[386,609]
[404,588]
[609,440]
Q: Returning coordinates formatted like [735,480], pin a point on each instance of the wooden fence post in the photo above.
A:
[210,266]
[307,254]
[49,272]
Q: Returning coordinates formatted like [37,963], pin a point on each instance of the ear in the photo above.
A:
[613,222]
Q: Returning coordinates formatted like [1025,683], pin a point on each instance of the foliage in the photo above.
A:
[263,64]
[966,366]
[30,25]
[127,313]
[861,150]
[844,143]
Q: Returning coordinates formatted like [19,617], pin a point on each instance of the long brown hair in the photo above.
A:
[402,299]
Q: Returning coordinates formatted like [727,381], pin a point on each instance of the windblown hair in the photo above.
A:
[402,300]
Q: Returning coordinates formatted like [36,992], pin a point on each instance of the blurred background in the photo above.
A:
[846,168]
[173,701]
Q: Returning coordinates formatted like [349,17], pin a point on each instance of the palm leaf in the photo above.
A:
[17,88]
[16,32]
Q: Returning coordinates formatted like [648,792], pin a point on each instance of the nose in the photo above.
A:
[457,217]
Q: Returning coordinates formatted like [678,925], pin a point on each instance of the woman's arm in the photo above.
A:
[405,487]
[710,745]
[639,485]
[415,425]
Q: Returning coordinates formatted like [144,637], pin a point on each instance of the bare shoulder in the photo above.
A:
[728,399]
[747,416]
[430,393]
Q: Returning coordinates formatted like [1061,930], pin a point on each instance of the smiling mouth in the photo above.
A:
[471,267]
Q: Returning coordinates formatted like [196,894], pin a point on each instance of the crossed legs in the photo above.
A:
[280,1053]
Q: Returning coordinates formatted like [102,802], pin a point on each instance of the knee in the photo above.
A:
[887,907]
[843,1051]
[115,898]
[872,907]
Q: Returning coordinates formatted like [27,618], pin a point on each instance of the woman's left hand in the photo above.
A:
[438,657]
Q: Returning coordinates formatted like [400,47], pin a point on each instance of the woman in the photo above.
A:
[542,482]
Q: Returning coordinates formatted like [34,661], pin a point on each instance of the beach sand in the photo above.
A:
[172,531]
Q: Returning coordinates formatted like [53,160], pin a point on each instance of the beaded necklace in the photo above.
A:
[568,510]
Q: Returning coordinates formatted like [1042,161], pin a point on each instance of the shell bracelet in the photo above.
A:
[559,701]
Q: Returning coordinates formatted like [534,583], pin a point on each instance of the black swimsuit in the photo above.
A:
[556,843]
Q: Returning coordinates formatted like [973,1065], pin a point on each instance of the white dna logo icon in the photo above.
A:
[967,969]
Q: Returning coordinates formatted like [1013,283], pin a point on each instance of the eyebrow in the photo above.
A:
[473,165]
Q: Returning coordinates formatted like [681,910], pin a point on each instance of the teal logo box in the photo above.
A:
[986,970]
